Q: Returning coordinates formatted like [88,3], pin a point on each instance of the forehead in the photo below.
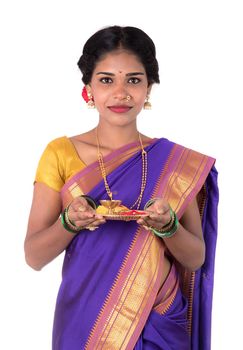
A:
[119,61]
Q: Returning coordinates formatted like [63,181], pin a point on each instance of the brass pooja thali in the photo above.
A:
[114,210]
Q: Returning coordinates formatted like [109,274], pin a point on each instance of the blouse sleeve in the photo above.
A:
[50,169]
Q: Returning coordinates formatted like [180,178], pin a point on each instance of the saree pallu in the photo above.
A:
[167,326]
[111,295]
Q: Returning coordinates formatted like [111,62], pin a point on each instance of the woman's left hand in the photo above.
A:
[159,215]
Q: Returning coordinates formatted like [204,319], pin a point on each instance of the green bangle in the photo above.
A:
[167,234]
[90,201]
[167,227]
[150,202]
[70,223]
[67,220]
[65,225]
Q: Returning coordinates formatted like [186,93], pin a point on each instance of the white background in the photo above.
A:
[197,104]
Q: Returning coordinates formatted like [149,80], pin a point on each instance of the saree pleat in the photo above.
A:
[167,319]
[111,295]
[204,277]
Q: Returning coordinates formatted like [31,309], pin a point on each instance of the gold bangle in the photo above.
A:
[65,225]
[75,228]
[70,223]
[167,227]
[169,233]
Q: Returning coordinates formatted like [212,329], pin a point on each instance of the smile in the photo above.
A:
[120,109]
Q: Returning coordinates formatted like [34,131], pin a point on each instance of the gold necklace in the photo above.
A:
[144,171]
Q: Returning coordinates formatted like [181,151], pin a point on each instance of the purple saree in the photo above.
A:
[111,295]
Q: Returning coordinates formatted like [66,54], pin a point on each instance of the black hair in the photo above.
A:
[115,37]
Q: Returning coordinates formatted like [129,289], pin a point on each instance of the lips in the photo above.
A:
[120,109]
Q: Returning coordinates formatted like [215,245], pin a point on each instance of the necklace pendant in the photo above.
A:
[112,204]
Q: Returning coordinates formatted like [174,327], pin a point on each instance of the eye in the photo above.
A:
[106,80]
[134,80]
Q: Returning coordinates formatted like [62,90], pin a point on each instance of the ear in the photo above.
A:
[88,88]
[149,89]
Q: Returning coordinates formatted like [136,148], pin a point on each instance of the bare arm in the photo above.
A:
[187,245]
[46,238]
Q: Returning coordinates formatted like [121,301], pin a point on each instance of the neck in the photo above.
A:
[117,136]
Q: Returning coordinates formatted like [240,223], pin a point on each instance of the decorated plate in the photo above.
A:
[127,215]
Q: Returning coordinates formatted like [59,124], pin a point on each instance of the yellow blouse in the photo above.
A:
[58,163]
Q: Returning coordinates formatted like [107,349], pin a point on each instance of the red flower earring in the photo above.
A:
[88,98]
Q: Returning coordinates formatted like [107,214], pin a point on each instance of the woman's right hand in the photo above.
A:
[46,237]
[81,214]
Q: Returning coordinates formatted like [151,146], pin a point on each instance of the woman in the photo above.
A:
[126,283]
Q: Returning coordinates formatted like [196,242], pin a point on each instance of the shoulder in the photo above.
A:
[58,143]
[184,149]
[196,154]
[55,152]
[51,170]
[61,147]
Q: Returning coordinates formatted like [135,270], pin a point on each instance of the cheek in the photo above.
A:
[100,94]
[141,99]
[99,97]
[139,94]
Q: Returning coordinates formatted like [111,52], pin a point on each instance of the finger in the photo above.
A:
[161,208]
[155,216]
[142,221]
[155,210]
[80,201]
[85,215]
[81,205]
[90,223]
[159,222]
[82,208]
[98,222]
[161,215]
[160,219]
[80,216]
[84,223]
[148,222]
[99,216]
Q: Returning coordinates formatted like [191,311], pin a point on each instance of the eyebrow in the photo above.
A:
[128,74]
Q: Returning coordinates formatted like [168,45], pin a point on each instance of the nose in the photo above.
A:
[120,92]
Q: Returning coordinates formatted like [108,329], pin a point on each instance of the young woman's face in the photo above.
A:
[119,87]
